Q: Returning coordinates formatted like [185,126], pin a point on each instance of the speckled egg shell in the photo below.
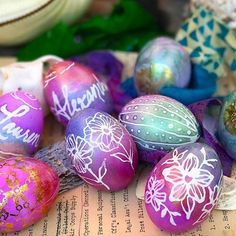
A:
[184,188]
[28,188]
[159,123]
[101,150]
[21,124]
[162,62]
[227,125]
[70,87]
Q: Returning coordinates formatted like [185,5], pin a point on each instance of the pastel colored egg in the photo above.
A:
[70,87]
[28,188]
[101,150]
[227,125]
[162,62]
[159,123]
[21,124]
[184,188]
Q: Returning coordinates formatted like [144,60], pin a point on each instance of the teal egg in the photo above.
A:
[159,123]
[227,125]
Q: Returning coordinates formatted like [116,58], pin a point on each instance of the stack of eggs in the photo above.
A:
[28,186]
[184,186]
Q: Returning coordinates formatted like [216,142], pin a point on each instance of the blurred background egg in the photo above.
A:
[21,124]
[28,188]
[162,62]
[159,123]
[227,125]
[184,188]
[70,87]
[101,150]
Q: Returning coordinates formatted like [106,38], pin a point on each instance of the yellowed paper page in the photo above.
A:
[85,211]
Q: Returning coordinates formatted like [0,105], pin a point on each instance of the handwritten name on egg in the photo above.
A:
[10,127]
[71,106]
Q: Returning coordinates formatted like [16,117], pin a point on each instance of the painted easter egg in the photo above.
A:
[28,188]
[159,123]
[71,87]
[227,125]
[162,62]
[184,188]
[21,124]
[101,150]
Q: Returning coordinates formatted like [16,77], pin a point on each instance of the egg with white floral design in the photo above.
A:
[101,150]
[159,123]
[184,188]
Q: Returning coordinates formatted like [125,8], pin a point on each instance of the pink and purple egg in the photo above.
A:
[101,150]
[28,189]
[184,188]
[70,87]
[21,124]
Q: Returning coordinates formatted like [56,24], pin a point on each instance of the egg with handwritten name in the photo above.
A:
[101,150]
[184,188]
[227,125]
[28,188]
[159,123]
[162,62]
[70,87]
[21,124]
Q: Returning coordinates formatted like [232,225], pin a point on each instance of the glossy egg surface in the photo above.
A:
[28,188]
[159,123]
[70,87]
[227,125]
[21,124]
[184,188]
[162,62]
[101,150]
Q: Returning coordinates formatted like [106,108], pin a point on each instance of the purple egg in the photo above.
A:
[21,124]
[101,150]
[184,188]
[71,87]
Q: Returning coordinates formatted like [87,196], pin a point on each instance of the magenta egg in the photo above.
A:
[101,150]
[70,87]
[28,188]
[184,188]
[21,124]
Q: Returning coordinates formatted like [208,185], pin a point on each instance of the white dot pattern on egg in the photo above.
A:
[159,123]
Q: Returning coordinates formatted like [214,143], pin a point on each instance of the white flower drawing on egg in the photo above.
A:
[81,152]
[213,198]
[189,180]
[103,132]
[157,198]
[190,183]
[104,135]
[153,194]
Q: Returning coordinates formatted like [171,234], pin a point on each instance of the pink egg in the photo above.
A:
[28,188]
[101,150]
[21,124]
[184,188]
[71,87]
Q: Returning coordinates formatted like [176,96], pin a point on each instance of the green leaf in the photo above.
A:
[127,28]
